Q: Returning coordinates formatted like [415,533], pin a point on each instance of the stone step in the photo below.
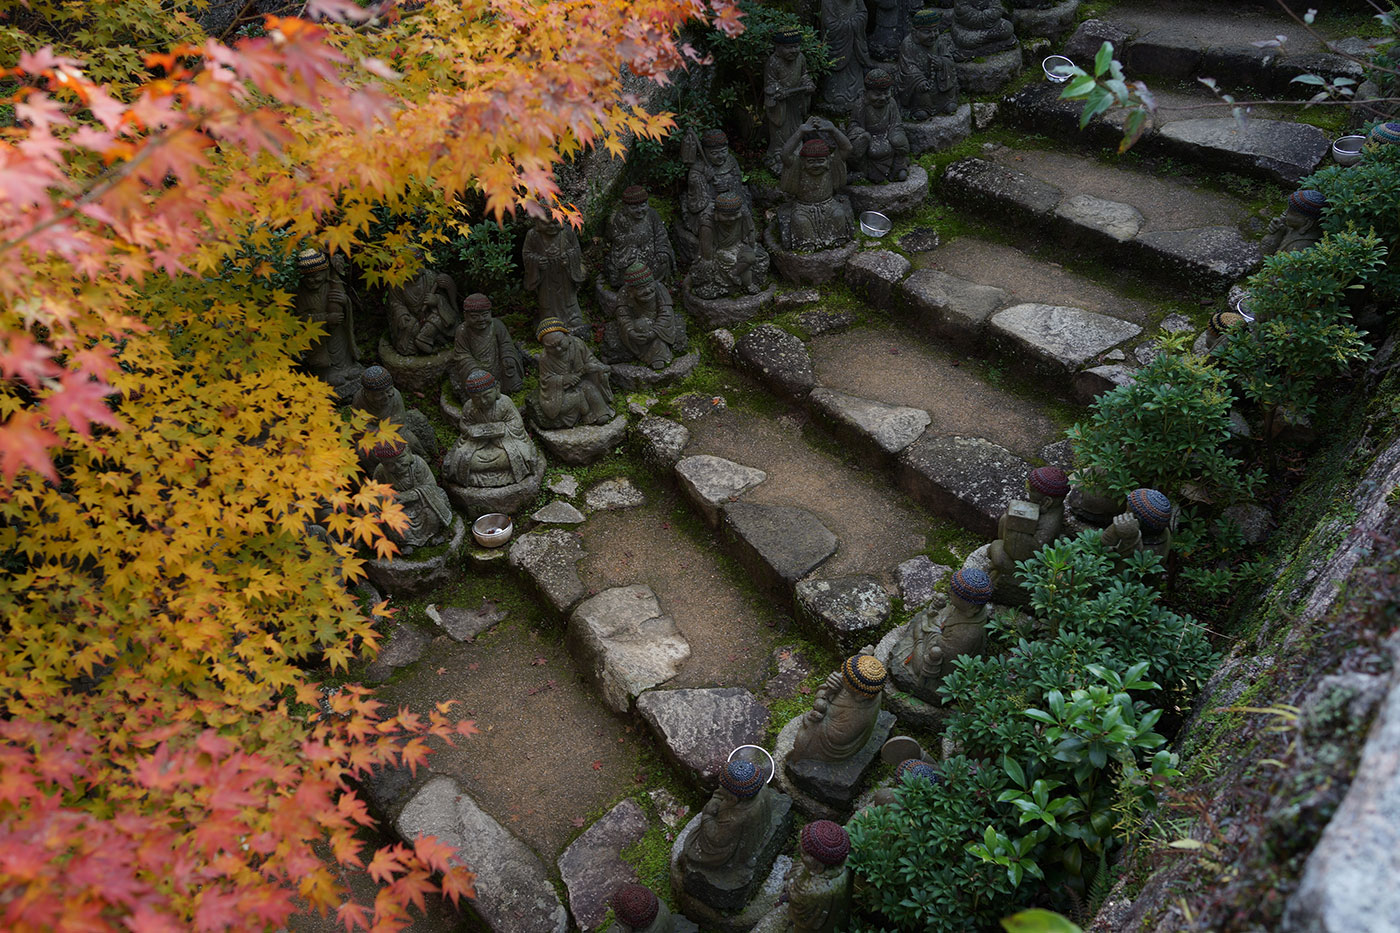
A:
[966,478]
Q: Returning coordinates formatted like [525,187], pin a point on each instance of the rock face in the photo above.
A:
[1055,339]
[709,482]
[549,558]
[585,444]
[697,729]
[918,580]
[513,892]
[627,644]
[845,612]
[780,544]
[874,274]
[663,440]
[777,359]
[968,479]
[948,307]
[592,867]
[881,429]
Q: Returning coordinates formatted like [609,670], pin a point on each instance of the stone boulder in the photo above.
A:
[476,501]
[634,377]
[778,360]
[709,482]
[966,479]
[844,612]
[613,494]
[874,273]
[592,867]
[626,643]
[918,579]
[550,559]
[697,729]
[876,428]
[779,544]
[584,444]
[941,132]
[414,573]
[662,440]
[724,312]
[893,198]
[948,307]
[1055,340]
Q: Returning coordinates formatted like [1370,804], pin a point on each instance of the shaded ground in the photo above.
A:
[1216,25]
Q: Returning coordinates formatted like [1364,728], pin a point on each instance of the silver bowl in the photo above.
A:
[1347,149]
[1050,63]
[874,223]
[493,529]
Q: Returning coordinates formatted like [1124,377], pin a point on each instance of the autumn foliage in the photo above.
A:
[164,763]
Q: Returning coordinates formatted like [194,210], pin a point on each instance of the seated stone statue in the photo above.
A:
[980,28]
[553,264]
[928,78]
[423,313]
[637,909]
[383,402]
[1300,226]
[425,503]
[482,342]
[493,449]
[1024,528]
[734,824]
[323,297]
[713,171]
[574,387]
[844,713]
[647,322]
[819,885]
[787,94]
[1222,325]
[817,218]
[1147,525]
[636,234]
[731,263]
[930,643]
[879,147]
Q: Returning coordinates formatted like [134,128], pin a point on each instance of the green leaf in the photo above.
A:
[1102,58]
[1037,920]
[1014,770]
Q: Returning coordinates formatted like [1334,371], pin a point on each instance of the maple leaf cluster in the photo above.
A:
[182,509]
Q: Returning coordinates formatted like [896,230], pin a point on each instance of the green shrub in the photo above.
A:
[1362,198]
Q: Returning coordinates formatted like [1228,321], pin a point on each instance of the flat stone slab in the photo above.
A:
[626,643]
[825,322]
[966,479]
[724,312]
[1212,257]
[946,306]
[412,575]
[941,132]
[1111,220]
[584,444]
[874,273]
[550,559]
[780,544]
[1055,339]
[778,359]
[1090,383]
[465,624]
[1271,149]
[826,790]
[709,482]
[893,198]
[558,512]
[631,377]
[918,579]
[845,612]
[592,867]
[513,891]
[697,729]
[565,485]
[403,647]
[613,494]
[884,429]
[987,187]
[662,440]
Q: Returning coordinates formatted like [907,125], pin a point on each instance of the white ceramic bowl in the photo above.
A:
[1051,63]
[1347,149]
[492,530]
[874,223]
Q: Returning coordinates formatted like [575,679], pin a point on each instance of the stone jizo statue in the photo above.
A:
[637,909]
[1222,325]
[731,263]
[1146,526]
[914,769]
[1300,226]
[980,28]
[324,298]
[384,403]
[787,94]
[713,171]
[843,30]
[930,643]
[888,28]
[819,885]
[425,503]
[423,313]
[647,322]
[574,387]
[928,77]
[844,713]
[1025,527]
[554,270]
[817,218]
[482,342]
[879,147]
[493,449]
[734,823]
[636,234]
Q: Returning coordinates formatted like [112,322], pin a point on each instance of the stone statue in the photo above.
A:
[423,313]
[1024,528]
[888,29]
[574,387]
[928,78]
[1146,526]
[787,94]
[914,769]
[1300,226]
[879,147]
[733,825]
[843,30]
[482,342]
[980,28]
[492,449]
[554,270]
[713,171]
[819,885]
[637,909]
[647,323]
[731,263]
[1222,325]
[818,218]
[844,713]
[425,503]
[383,402]
[324,298]
[930,643]
[636,234]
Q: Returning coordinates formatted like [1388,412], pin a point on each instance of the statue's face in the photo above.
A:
[486,400]
[479,320]
[400,469]
[1295,219]
[545,226]
[553,341]
[814,165]
[925,35]
[715,155]
[789,52]
[877,96]
[316,277]
[644,293]
[635,212]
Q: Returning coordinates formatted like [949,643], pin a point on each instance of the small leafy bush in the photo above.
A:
[1361,198]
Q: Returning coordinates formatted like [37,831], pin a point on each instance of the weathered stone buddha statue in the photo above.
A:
[636,234]
[734,823]
[423,313]
[817,217]
[844,713]
[889,19]
[384,403]
[713,171]
[1222,325]
[879,147]
[493,448]
[928,77]
[425,503]
[574,388]
[925,651]
[1146,526]
[787,94]
[647,323]
[843,31]
[731,263]
[554,271]
[482,342]
[1300,226]
[637,909]
[819,887]
[980,28]
[1024,528]
[324,297]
